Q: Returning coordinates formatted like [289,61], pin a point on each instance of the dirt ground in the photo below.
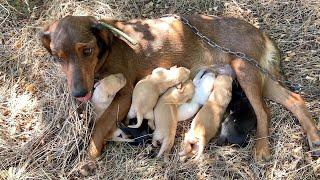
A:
[43,131]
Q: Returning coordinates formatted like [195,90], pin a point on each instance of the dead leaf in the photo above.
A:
[30,88]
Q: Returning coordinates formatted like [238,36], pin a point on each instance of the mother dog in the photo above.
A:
[87,50]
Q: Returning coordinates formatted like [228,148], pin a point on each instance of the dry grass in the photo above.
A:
[43,133]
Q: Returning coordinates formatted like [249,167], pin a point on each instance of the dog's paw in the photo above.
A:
[315,149]
[262,151]
[314,144]
[94,151]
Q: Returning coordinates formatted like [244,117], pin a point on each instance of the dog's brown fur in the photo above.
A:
[163,43]
[147,91]
[206,123]
[166,116]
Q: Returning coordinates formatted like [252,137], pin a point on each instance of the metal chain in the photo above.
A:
[213,44]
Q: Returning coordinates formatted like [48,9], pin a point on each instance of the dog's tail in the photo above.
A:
[271,60]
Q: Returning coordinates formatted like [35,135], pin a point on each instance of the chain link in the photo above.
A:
[213,44]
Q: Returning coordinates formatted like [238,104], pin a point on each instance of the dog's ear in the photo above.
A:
[45,35]
[45,38]
[104,38]
[103,27]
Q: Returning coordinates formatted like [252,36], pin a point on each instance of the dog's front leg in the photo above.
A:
[106,124]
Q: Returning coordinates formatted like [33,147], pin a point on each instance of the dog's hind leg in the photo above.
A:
[251,82]
[294,103]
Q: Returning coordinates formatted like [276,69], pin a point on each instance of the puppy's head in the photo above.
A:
[80,47]
[186,91]
[112,83]
[181,74]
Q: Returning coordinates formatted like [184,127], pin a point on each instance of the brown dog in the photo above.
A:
[166,116]
[206,123]
[147,91]
[87,50]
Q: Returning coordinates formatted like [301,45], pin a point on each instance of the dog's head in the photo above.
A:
[80,45]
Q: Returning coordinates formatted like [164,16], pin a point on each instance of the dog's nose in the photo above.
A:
[81,92]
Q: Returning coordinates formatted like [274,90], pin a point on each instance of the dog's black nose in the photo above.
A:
[81,92]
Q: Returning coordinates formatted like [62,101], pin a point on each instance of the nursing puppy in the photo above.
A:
[203,83]
[165,114]
[240,121]
[206,123]
[147,91]
[105,91]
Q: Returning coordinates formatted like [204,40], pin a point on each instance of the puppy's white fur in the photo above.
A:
[165,114]
[147,91]
[203,87]
[104,92]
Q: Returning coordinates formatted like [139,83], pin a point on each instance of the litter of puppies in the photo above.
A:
[166,96]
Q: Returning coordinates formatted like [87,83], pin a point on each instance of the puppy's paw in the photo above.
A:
[262,151]
[190,149]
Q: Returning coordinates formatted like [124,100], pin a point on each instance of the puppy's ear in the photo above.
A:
[173,67]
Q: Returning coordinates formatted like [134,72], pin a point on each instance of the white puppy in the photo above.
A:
[203,87]
[104,92]
[147,91]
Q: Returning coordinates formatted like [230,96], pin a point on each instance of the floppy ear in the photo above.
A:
[173,67]
[45,38]
[104,39]
[102,26]
[45,35]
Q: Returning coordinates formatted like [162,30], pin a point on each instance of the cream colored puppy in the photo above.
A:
[147,91]
[206,123]
[105,90]
[165,114]
[102,96]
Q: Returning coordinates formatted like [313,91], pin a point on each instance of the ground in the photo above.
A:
[43,130]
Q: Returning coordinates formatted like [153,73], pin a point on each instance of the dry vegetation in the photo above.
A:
[43,131]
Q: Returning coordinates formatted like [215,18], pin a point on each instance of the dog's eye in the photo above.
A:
[57,59]
[87,51]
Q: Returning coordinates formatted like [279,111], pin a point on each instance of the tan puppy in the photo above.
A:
[205,124]
[166,116]
[147,91]
[104,92]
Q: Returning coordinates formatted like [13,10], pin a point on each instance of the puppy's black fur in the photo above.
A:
[141,135]
[240,119]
